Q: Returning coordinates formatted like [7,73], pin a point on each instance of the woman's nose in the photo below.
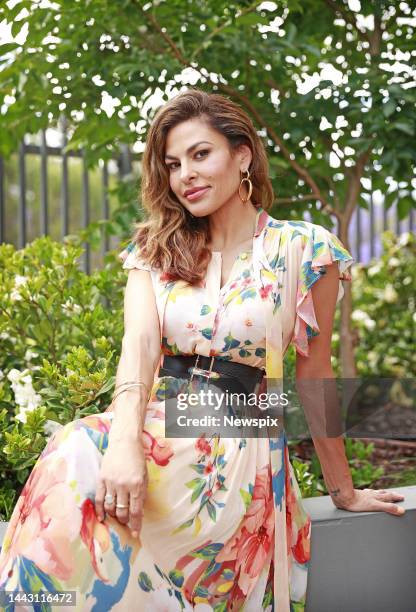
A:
[187,172]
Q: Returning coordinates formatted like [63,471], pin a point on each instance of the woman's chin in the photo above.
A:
[200,209]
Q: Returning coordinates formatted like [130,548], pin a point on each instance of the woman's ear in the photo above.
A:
[245,157]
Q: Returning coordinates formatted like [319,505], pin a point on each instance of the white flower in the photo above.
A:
[18,282]
[21,416]
[15,295]
[14,375]
[1,374]
[394,262]
[372,358]
[362,317]
[390,295]
[359,315]
[374,269]
[390,360]
[29,355]
[70,307]
[25,396]
[404,238]
[4,335]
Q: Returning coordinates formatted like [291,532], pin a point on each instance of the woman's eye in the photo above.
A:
[203,151]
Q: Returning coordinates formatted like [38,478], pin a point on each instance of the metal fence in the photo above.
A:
[365,228]
[21,216]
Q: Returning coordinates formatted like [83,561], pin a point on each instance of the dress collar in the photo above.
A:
[261,220]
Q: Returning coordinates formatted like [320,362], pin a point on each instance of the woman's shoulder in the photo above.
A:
[299,231]
[293,233]
[294,227]
[309,240]
[131,258]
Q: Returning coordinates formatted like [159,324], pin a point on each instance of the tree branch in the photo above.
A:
[348,16]
[176,52]
[331,184]
[302,172]
[296,199]
[274,85]
[218,29]
[354,185]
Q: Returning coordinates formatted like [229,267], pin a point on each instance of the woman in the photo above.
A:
[132,519]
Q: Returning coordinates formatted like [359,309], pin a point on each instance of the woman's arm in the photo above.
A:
[140,355]
[314,380]
[316,385]
[123,472]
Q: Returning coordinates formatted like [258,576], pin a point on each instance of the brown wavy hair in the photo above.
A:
[170,239]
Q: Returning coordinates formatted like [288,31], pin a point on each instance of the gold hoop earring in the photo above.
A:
[250,187]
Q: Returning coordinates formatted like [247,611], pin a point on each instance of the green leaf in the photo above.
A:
[195,482]
[183,526]
[246,496]
[198,491]
[407,128]
[8,47]
[177,577]
[207,552]
[144,582]
[404,206]
[212,511]
[389,108]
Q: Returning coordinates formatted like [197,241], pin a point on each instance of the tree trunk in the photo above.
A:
[347,358]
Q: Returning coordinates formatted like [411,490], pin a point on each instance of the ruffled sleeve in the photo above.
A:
[320,248]
[131,258]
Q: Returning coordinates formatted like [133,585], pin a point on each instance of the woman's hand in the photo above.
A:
[372,500]
[123,474]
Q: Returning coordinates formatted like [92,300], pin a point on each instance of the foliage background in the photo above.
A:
[330,87]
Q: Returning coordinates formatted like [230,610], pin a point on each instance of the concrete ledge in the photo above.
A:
[3,527]
[361,561]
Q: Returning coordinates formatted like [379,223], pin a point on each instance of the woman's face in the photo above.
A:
[199,157]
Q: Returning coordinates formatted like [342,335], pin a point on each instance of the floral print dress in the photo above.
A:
[224,527]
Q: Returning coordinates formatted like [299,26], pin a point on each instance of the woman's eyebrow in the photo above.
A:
[189,149]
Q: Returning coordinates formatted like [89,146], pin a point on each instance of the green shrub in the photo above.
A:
[60,331]
[384,310]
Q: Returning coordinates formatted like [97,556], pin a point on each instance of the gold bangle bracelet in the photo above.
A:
[128,382]
[135,384]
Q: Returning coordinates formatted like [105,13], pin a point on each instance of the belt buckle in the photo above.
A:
[208,374]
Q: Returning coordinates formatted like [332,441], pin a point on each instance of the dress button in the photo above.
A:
[243,256]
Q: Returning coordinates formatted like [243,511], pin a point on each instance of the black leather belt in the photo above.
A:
[220,371]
